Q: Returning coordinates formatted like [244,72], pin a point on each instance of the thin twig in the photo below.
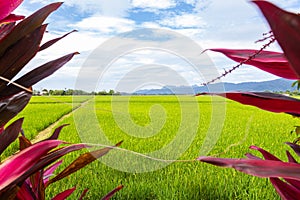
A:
[241,63]
[16,84]
[265,38]
[138,154]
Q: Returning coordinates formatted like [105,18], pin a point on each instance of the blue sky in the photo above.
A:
[208,23]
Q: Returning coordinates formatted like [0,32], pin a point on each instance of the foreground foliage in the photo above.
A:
[286,30]
[27,174]
[244,126]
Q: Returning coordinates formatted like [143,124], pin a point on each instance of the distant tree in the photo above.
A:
[36,93]
[51,92]
[111,92]
[57,92]
[70,92]
[80,92]
[297,84]
[103,92]
[45,92]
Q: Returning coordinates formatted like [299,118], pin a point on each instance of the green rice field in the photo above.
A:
[164,128]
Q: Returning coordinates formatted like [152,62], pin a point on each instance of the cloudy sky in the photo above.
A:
[132,44]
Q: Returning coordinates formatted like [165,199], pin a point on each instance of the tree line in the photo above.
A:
[67,92]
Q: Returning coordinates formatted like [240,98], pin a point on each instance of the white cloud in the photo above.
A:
[150,25]
[212,24]
[248,74]
[171,53]
[287,4]
[184,20]
[22,10]
[141,68]
[153,4]
[106,25]
[191,2]
[192,33]
[113,8]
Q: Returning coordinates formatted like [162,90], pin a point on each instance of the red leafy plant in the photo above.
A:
[285,176]
[27,173]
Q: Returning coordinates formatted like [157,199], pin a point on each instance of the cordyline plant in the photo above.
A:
[285,176]
[27,174]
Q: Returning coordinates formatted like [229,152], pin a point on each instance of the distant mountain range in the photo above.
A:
[273,86]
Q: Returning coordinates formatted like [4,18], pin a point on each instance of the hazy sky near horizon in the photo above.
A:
[207,23]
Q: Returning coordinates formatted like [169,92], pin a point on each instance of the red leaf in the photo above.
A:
[295,147]
[270,156]
[7,6]
[25,192]
[81,162]
[112,193]
[251,156]
[11,18]
[272,62]
[40,163]
[20,54]
[51,157]
[260,168]
[267,155]
[10,134]
[83,194]
[64,194]
[14,167]
[5,29]
[286,29]
[290,157]
[37,185]
[24,143]
[51,42]
[49,171]
[285,190]
[11,193]
[10,106]
[39,73]
[56,133]
[26,26]
[266,101]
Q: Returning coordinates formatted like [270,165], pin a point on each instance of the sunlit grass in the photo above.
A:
[243,126]
[41,112]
